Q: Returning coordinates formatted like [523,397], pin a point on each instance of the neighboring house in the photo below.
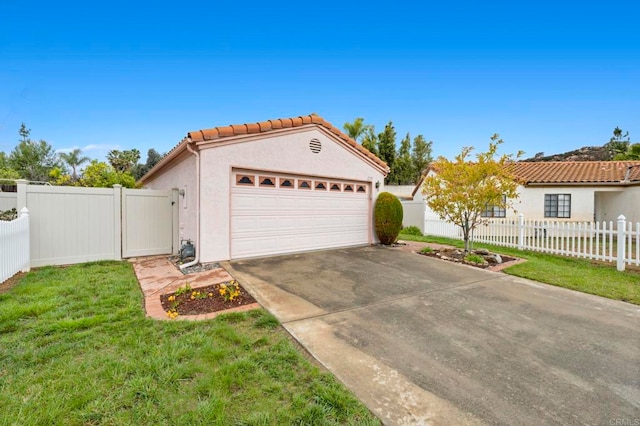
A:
[278,186]
[572,191]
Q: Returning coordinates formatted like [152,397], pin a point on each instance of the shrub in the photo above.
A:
[9,215]
[388,217]
[412,230]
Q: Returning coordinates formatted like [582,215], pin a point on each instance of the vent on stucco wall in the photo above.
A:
[315,146]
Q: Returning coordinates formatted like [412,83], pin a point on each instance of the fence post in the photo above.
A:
[621,242]
[25,212]
[521,231]
[117,222]
[21,201]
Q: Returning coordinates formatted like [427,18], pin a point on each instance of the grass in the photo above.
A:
[76,348]
[574,273]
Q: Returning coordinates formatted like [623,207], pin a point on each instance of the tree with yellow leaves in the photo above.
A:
[460,190]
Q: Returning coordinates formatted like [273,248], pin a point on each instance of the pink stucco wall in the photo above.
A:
[284,151]
[181,175]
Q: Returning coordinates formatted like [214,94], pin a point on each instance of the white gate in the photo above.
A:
[149,222]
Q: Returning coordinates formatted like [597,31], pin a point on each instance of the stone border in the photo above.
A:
[157,275]
[415,246]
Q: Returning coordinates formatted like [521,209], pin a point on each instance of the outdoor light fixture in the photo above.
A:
[378,185]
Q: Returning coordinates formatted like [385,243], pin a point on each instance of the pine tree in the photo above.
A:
[421,156]
[403,169]
[387,150]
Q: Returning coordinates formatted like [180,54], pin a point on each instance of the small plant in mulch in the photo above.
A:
[475,259]
[480,258]
[218,297]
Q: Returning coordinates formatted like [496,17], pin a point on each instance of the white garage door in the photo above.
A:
[274,214]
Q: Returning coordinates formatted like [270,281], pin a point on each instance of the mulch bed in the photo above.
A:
[457,255]
[184,304]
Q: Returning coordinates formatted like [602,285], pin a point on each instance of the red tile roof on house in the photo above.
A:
[577,172]
[570,173]
[280,123]
[222,132]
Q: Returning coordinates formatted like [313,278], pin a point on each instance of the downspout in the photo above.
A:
[197,258]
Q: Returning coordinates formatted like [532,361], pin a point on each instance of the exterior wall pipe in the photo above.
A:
[197,257]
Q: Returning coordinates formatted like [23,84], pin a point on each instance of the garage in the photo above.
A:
[276,213]
[273,187]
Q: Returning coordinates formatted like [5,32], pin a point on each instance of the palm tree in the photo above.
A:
[356,129]
[74,159]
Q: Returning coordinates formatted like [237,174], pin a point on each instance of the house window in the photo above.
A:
[267,181]
[321,186]
[244,180]
[361,188]
[557,205]
[348,188]
[286,183]
[335,187]
[304,184]
[495,211]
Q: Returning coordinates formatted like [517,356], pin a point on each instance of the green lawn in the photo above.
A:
[76,348]
[569,272]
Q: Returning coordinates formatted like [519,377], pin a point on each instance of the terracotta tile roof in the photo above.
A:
[577,172]
[221,132]
[280,123]
[569,172]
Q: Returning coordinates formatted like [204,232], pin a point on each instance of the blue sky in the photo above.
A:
[548,76]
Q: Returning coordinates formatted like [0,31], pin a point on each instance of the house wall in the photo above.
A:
[181,175]
[400,190]
[633,204]
[610,205]
[531,201]
[286,152]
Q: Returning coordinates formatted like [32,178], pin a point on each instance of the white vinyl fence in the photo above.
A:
[8,200]
[14,246]
[607,241]
[68,225]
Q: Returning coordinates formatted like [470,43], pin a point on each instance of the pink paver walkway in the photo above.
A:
[157,276]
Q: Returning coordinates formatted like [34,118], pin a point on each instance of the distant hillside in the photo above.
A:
[587,153]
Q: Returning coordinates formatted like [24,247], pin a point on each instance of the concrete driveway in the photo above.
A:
[422,341]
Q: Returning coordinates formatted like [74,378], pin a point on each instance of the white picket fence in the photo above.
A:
[607,241]
[14,246]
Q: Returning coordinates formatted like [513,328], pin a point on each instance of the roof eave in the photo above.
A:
[166,160]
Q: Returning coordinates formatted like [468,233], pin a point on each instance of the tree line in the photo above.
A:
[406,163]
[37,161]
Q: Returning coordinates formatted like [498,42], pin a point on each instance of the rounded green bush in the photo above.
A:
[388,217]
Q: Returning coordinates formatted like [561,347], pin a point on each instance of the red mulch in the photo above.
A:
[212,303]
